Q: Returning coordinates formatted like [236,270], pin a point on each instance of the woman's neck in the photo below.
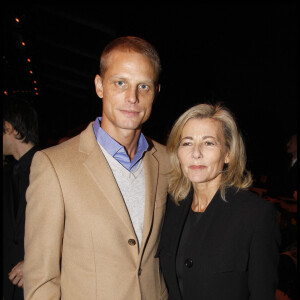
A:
[203,194]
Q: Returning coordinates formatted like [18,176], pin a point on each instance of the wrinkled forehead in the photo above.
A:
[203,126]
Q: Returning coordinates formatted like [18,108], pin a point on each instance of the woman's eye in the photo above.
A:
[185,144]
[208,143]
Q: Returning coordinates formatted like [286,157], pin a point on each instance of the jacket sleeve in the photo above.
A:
[264,255]
[44,226]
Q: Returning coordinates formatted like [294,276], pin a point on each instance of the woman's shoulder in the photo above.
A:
[245,199]
[250,207]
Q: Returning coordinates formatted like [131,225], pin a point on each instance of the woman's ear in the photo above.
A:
[227,158]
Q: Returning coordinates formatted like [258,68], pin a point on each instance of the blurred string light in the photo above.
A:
[28,91]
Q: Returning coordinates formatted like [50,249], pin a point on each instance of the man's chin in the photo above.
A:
[130,124]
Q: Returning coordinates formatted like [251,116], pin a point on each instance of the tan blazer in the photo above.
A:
[79,239]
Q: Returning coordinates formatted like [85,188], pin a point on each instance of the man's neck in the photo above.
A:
[127,138]
[21,149]
[130,144]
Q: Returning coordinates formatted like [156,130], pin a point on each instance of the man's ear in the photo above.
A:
[9,129]
[99,86]
[158,88]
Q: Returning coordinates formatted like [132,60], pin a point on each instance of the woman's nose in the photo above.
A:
[197,153]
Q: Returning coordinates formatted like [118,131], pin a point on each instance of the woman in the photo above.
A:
[219,241]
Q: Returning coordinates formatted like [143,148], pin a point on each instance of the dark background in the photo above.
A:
[242,55]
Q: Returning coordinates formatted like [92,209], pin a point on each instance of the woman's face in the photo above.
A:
[202,152]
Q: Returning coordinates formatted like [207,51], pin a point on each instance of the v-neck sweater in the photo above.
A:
[132,188]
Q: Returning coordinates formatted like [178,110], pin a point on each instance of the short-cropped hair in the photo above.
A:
[234,173]
[131,43]
[23,117]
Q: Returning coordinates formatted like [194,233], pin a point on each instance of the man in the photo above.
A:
[283,182]
[20,137]
[95,203]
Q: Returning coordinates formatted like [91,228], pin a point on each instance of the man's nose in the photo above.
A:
[132,95]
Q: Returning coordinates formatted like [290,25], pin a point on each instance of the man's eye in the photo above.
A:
[144,87]
[120,83]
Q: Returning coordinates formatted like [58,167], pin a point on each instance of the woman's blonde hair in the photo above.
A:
[234,173]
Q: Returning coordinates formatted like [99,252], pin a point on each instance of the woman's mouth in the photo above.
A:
[197,167]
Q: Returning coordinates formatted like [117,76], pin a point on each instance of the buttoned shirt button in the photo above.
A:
[188,262]
[131,242]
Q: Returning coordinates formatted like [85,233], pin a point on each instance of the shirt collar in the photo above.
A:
[116,150]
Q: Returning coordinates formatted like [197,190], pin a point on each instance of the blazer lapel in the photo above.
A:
[151,177]
[183,210]
[216,211]
[215,208]
[102,175]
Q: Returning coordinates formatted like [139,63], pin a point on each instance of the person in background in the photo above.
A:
[292,184]
[283,181]
[20,140]
[219,241]
[96,202]
[288,277]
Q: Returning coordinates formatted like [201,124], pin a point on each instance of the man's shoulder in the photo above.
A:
[66,146]
[156,145]
[243,200]
[73,144]
[65,153]
[61,157]
[159,151]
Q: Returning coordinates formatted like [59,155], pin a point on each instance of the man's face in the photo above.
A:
[127,89]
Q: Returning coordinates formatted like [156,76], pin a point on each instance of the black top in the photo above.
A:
[189,233]
[20,177]
[15,183]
